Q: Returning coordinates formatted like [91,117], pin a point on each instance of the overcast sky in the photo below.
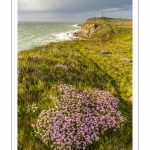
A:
[72,10]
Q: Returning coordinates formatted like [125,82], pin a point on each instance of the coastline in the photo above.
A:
[38,46]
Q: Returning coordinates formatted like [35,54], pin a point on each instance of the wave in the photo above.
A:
[75,25]
[47,33]
[65,35]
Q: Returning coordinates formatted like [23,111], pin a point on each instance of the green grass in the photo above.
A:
[88,68]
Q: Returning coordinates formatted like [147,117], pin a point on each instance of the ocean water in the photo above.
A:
[31,34]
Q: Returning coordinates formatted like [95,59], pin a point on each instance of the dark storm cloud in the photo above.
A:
[72,7]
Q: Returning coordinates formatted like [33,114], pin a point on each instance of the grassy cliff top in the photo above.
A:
[81,63]
[114,21]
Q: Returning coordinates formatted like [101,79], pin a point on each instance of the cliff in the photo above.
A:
[97,28]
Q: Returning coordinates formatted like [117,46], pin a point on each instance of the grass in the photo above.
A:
[88,68]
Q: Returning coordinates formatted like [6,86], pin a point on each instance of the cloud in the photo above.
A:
[72,7]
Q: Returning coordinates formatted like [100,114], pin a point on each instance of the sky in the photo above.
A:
[72,10]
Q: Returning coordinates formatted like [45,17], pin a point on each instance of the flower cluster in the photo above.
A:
[36,57]
[64,67]
[34,107]
[18,71]
[20,57]
[78,118]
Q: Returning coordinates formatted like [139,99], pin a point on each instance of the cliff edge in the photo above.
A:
[101,27]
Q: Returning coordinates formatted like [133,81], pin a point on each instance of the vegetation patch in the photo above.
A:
[78,118]
[66,82]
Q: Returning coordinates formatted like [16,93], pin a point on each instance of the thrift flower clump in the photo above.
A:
[78,118]
[34,107]
[64,67]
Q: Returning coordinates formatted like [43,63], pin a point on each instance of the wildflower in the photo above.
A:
[79,118]
[33,125]
[20,57]
[34,107]
[64,67]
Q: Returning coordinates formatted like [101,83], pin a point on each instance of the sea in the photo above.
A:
[31,34]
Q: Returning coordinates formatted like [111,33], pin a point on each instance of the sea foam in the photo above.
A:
[65,35]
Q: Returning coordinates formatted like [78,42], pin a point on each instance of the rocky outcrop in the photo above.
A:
[86,30]
[106,52]
[94,27]
[126,60]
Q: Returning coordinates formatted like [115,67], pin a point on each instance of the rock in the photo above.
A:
[86,30]
[125,60]
[131,99]
[105,52]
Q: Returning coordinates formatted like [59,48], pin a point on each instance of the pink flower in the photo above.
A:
[78,117]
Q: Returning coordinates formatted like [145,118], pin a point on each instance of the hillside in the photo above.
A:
[100,58]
